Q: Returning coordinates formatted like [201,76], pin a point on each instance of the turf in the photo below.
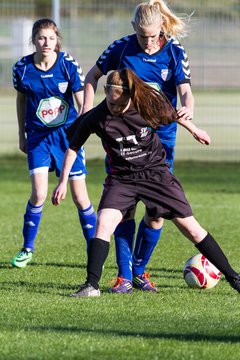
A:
[39,320]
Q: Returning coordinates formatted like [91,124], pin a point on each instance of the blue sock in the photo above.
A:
[32,219]
[124,237]
[147,239]
[88,221]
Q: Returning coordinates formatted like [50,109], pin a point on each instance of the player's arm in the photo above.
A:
[91,82]
[59,193]
[78,96]
[21,116]
[187,101]
[199,134]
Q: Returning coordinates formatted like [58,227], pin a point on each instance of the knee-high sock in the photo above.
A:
[88,220]
[212,251]
[32,219]
[147,239]
[124,238]
[98,252]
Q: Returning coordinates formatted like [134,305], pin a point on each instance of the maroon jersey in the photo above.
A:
[131,145]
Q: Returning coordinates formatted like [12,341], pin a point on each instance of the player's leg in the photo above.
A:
[149,233]
[87,216]
[107,221]
[32,216]
[206,244]
[124,239]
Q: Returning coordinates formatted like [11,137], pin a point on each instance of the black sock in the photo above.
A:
[98,252]
[212,251]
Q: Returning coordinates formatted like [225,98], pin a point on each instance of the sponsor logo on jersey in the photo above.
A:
[166,74]
[149,60]
[52,111]
[47,76]
[144,132]
[63,87]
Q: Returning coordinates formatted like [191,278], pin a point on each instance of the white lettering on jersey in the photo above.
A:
[130,138]
[149,60]
[125,145]
[46,76]
[52,111]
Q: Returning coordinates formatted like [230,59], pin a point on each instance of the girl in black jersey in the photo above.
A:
[125,121]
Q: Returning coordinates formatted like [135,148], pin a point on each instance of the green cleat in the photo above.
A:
[22,259]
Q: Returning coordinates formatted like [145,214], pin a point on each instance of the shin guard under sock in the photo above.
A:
[124,238]
[147,239]
[32,219]
[88,220]
[212,251]
[98,252]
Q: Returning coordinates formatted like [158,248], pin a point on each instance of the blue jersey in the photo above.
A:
[165,70]
[49,93]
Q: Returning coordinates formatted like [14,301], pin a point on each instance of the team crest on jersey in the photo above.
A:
[63,87]
[52,111]
[166,74]
[144,132]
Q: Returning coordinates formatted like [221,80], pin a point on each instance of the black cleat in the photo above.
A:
[235,282]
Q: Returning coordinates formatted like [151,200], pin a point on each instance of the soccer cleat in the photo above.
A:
[86,290]
[22,259]
[235,282]
[142,282]
[122,286]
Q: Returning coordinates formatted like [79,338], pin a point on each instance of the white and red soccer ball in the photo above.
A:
[199,272]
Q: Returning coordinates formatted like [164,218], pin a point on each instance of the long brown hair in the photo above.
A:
[151,104]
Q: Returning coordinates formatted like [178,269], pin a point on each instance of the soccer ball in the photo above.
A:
[198,272]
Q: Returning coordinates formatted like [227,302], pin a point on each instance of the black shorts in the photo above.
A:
[158,189]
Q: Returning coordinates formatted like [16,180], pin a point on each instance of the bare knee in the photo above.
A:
[80,194]
[38,198]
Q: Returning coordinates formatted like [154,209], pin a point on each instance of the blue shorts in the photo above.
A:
[46,152]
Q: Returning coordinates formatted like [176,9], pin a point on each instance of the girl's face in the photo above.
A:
[45,42]
[148,37]
[117,103]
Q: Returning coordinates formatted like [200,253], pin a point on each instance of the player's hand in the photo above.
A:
[202,136]
[59,194]
[23,145]
[184,113]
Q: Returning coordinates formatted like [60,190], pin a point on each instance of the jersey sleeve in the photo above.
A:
[74,73]
[80,130]
[110,58]
[86,124]
[182,68]
[18,71]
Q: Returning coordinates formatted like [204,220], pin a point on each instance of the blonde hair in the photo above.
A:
[157,11]
[153,106]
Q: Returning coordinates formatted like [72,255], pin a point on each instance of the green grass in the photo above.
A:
[39,320]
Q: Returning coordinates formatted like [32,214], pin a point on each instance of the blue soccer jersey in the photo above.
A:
[164,70]
[49,93]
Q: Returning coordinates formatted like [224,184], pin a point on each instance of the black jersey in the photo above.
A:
[131,145]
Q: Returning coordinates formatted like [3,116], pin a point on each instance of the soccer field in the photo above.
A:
[216,112]
[39,320]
